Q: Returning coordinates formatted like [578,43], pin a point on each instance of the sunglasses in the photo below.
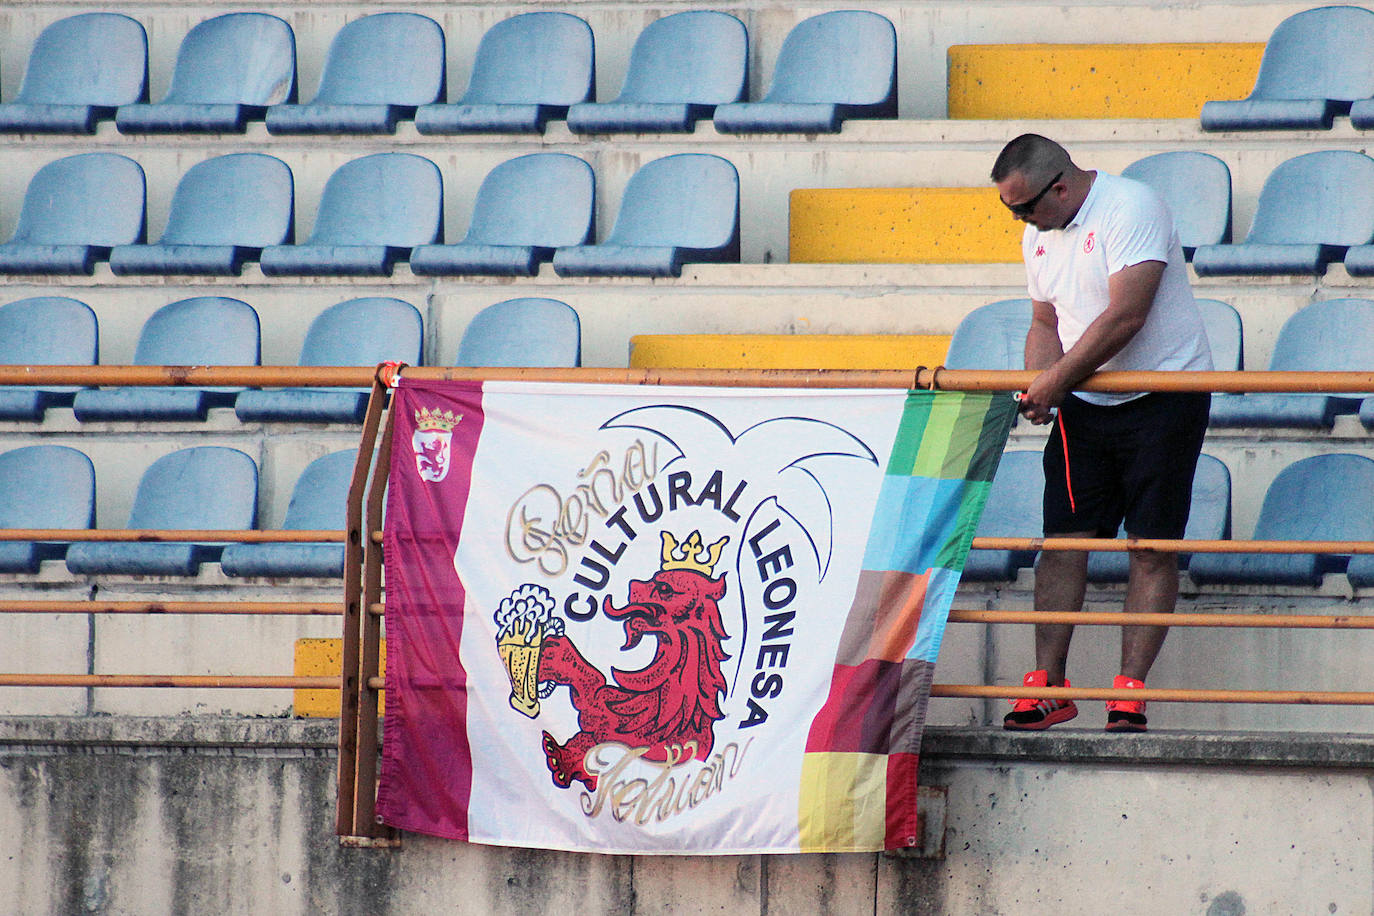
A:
[1027,207]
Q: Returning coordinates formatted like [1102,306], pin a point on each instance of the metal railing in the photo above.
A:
[361,609]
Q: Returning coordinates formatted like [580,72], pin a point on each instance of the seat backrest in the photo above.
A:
[1210,515]
[534,58]
[201,331]
[1197,189]
[88,59]
[320,497]
[992,336]
[382,199]
[48,331]
[237,58]
[1335,335]
[1014,503]
[384,59]
[843,56]
[688,200]
[239,199]
[1224,335]
[208,487]
[46,486]
[523,332]
[364,332]
[86,199]
[1324,497]
[1326,197]
[699,56]
[1322,53]
[543,199]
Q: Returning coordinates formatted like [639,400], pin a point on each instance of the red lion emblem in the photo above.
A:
[673,700]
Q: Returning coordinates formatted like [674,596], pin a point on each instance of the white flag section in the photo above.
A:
[616,616]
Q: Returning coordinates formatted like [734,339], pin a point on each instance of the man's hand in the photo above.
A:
[1045,394]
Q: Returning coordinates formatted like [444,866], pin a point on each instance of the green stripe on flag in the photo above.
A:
[992,438]
[954,552]
[946,434]
[911,428]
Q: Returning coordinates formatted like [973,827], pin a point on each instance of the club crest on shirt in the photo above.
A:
[1089,243]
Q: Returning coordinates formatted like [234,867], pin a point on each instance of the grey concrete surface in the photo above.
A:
[129,815]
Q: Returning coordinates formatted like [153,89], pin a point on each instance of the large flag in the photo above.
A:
[634,619]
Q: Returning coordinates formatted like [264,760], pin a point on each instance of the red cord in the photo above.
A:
[1068,481]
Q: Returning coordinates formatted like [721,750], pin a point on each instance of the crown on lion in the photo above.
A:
[436,419]
[691,555]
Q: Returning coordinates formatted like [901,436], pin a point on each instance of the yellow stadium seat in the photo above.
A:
[1016,81]
[787,351]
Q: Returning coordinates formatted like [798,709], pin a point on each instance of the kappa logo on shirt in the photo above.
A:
[1088,243]
[1040,251]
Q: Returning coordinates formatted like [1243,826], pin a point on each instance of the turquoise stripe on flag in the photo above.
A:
[914,519]
[931,630]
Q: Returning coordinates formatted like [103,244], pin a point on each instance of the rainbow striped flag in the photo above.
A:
[671,620]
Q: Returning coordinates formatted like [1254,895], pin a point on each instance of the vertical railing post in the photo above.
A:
[354,612]
[365,793]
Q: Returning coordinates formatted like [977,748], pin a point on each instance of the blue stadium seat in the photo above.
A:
[1360,572]
[1325,498]
[1014,510]
[1333,335]
[992,336]
[1315,64]
[43,486]
[525,208]
[379,69]
[229,70]
[358,332]
[225,211]
[523,332]
[373,211]
[1224,335]
[1367,413]
[44,331]
[207,487]
[1197,189]
[75,211]
[837,65]
[1311,209]
[681,67]
[1208,519]
[678,209]
[202,331]
[529,69]
[80,70]
[318,502]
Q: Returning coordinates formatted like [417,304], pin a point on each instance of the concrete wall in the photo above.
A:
[132,816]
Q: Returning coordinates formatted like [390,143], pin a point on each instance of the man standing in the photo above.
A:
[1109,290]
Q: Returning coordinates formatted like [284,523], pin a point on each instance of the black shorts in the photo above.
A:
[1130,462]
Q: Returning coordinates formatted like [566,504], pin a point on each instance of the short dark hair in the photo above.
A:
[1034,156]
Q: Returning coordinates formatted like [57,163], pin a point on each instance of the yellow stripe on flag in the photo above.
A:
[843,801]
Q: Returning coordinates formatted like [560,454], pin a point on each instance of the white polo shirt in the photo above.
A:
[1121,223]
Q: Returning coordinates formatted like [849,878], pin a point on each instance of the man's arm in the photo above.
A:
[1043,350]
[1132,292]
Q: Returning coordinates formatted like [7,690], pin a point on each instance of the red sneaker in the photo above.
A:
[1126,715]
[1035,715]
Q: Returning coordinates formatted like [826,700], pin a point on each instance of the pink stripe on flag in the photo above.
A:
[426,759]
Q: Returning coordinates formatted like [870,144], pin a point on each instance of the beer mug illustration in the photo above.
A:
[524,618]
